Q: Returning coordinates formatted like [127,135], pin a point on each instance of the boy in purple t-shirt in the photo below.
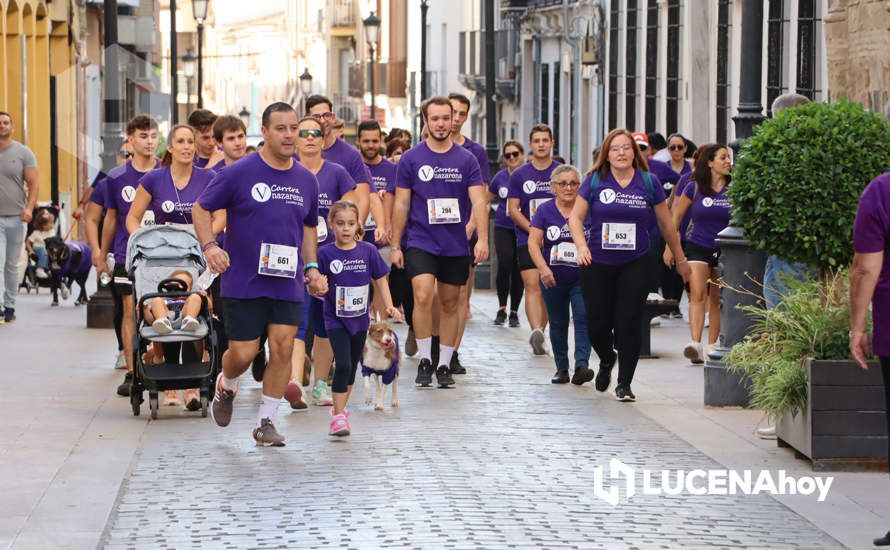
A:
[351,268]
[270,251]
[436,182]
[530,188]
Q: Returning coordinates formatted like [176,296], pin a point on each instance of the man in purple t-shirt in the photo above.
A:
[120,190]
[207,153]
[271,205]
[231,135]
[338,151]
[461,105]
[382,172]
[436,182]
[530,188]
[870,283]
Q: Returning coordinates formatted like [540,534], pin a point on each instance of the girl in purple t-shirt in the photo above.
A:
[351,266]
[618,197]
[704,198]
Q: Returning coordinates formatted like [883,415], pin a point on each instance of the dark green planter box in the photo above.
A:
[844,424]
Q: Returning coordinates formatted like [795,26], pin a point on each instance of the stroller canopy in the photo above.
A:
[165,242]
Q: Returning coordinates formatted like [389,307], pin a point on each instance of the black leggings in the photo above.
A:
[885,371]
[402,292]
[118,315]
[508,278]
[615,296]
[348,350]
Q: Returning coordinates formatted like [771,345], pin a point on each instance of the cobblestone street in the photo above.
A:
[503,460]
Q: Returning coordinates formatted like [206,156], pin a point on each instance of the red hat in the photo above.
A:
[641,138]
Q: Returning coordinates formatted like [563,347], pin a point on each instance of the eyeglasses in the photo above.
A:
[512,155]
[309,132]
[567,184]
[124,154]
[620,148]
[327,116]
[677,147]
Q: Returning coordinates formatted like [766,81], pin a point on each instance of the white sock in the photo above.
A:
[424,345]
[445,353]
[268,408]
[229,383]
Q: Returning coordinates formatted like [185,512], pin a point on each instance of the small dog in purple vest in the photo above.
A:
[381,359]
[69,262]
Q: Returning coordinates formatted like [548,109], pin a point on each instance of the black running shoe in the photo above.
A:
[623,393]
[582,375]
[443,377]
[561,377]
[883,541]
[514,319]
[124,389]
[455,367]
[258,367]
[501,317]
[424,374]
[604,376]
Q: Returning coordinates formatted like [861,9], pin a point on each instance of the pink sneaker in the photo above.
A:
[339,425]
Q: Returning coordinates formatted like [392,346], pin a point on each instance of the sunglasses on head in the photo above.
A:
[512,155]
[309,132]
[676,147]
[124,154]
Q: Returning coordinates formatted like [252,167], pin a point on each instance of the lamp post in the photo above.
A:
[305,88]
[424,7]
[372,33]
[244,115]
[174,82]
[739,262]
[188,69]
[199,10]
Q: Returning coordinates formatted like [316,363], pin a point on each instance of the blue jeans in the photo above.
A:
[12,239]
[558,300]
[776,273]
[42,257]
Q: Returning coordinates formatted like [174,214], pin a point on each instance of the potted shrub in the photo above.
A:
[795,189]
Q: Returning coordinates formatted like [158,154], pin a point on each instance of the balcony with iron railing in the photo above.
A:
[472,55]
[532,4]
[390,78]
[342,16]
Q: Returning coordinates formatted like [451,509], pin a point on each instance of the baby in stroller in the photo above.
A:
[44,228]
[157,311]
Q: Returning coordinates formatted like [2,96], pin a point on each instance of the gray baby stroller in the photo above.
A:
[153,253]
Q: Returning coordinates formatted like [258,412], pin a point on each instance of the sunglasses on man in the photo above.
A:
[124,154]
[309,132]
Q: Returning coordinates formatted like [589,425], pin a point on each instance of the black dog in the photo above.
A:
[69,262]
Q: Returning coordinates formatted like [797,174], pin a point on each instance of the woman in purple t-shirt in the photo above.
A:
[556,257]
[508,279]
[619,195]
[351,266]
[704,197]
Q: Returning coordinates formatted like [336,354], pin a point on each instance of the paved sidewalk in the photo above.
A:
[505,459]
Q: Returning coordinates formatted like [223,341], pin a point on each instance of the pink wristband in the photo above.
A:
[208,245]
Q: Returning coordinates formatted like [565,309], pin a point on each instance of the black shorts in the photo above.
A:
[696,253]
[524,258]
[247,319]
[122,284]
[451,270]
[472,244]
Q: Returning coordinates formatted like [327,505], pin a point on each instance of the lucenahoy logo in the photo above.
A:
[426,172]
[261,192]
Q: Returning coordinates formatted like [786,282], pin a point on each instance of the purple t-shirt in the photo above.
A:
[349,274]
[666,174]
[710,215]
[687,217]
[263,205]
[120,190]
[98,194]
[481,157]
[532,187]
[620,217]
[499,187]
[871,233]
[169,204]
[200,162]
[219,166]
[333,182]
[348,157]
[383,176]
[558,249]
[439,184]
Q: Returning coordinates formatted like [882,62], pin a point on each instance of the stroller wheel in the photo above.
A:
[204,404]
[153,405]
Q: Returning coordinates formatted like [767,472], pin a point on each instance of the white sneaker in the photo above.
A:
[655,322]
[190,324]
[162,326]
[654,297]
[64,291]
[121,362]
[41,273]
[694,352]
[767,433]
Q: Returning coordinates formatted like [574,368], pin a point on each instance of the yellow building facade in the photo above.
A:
[38,59]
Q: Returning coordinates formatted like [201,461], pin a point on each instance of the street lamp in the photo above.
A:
[305,88]
[372,31]
[245,117]
[199,10]
[188,69]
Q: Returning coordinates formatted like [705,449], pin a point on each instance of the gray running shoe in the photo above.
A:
[266,434]
[411,344]
[537,342]
[221,408]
